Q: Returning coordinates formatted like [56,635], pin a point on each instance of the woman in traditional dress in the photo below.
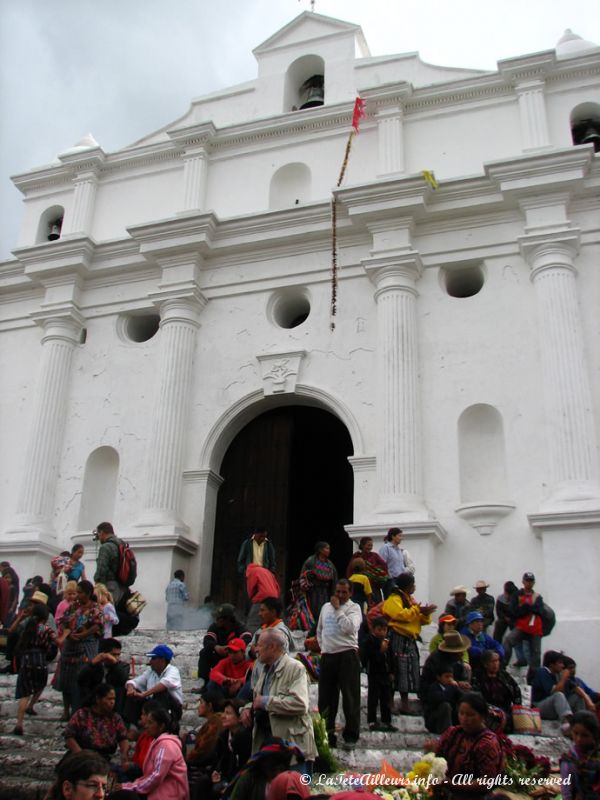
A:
[97,726]
[82,624]
[406,617]
[472,751]
[322,577]
[36,646]
[375,567]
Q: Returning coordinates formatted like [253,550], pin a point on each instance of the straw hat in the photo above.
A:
[459,590]
[40,597]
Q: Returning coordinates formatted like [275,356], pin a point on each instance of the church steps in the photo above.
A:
[27,762]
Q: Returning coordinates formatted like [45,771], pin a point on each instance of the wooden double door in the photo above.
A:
[288,470]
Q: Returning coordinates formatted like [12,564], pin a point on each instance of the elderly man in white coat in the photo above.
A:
[281,704]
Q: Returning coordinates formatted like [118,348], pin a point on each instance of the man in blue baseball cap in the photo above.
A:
[160,681]
[480,641]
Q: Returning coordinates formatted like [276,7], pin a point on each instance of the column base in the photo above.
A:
[29,549]
[572,496]
[159,551]
[403,508]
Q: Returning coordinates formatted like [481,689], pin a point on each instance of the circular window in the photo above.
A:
[463,281]
[138,327]
[289,308]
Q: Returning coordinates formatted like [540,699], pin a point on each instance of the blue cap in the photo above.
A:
[472,616]
[161,651]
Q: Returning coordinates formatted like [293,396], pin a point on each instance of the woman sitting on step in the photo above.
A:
[165,771]
[98,727]
[473,752]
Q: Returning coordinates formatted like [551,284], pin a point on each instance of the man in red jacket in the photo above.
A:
[228,677]
[526,609]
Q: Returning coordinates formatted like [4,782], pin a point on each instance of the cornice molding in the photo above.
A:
[52,259]
[538,171]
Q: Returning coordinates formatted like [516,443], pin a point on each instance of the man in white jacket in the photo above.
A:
[280,704]
[337,634]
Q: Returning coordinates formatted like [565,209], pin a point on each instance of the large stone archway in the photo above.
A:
[288,469]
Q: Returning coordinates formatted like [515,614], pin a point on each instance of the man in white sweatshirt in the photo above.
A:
[337,634]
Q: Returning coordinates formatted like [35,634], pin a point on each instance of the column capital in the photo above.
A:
[555,248]
[176,305]
[60,324]
[394,272]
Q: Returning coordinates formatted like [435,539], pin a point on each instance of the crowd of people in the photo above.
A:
[123,731]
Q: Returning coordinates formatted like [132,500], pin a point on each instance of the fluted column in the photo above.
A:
[399,468]
[390,133]
[195,172]
[180,320]
[532,110]
[571,436]
[35,501]
[79,219]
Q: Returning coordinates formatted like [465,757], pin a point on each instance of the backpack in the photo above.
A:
[127,572]
[548,619]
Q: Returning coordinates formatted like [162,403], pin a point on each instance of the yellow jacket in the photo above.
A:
[405,621]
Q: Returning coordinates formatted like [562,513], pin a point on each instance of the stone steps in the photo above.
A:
[27,762]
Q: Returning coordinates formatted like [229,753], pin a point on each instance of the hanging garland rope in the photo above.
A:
[359,112]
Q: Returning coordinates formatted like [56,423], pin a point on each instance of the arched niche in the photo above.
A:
[304,83]
[290,186]
[482,454]
[585,124]
[50,225]
[99,487]
[482,464]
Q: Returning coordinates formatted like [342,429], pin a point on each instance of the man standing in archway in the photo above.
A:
[256,550]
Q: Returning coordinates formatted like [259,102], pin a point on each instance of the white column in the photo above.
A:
[78,218]
[195,173]
[399,469]
[571,435]
[35,501]
[532,110]
[390,133]
[180,320]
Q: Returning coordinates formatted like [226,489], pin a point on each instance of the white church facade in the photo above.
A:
[165,345]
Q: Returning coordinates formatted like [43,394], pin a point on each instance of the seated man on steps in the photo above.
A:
[549,687]
[161,681]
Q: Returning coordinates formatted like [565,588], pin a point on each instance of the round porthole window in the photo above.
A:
[138,327]
[289,308]
[463,281]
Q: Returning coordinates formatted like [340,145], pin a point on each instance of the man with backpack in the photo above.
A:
[108,561]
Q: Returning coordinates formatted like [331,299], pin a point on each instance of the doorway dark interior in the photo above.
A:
[288,469]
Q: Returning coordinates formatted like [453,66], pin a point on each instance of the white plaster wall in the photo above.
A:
[134,199]
[457,142]
[18,367]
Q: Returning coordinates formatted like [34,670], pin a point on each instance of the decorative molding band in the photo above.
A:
[564,521]
[423,529]
[280,371]
[363,463]
[207,476]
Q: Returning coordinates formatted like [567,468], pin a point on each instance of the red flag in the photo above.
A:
[359,112]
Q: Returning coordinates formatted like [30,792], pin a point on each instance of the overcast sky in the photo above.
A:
[123,68]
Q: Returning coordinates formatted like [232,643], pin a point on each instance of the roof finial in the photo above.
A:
[312,4]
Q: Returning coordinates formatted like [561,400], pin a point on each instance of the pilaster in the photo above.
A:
[180,303]
[394,268]
[390,135]
[61,332]
[551,251]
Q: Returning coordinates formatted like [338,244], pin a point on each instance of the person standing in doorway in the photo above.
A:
[256,550]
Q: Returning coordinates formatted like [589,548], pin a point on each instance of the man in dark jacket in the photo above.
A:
[107,562]
[256,550]
[106,667]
